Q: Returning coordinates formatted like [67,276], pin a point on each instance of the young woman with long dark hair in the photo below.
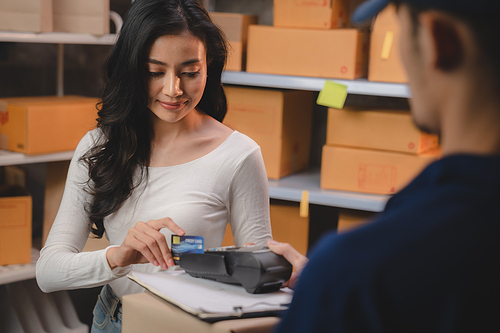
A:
[160,162]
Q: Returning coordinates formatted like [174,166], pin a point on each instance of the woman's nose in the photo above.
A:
[172,86]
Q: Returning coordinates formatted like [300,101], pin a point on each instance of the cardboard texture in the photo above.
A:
[145,312]
[26,15]
[15,230]
[36,125]
[235,26]
[352,219]
[337,53]
[55,179]
[324,14]
[370,171]
[287,226]
[391,130]
[385,59]
[82,16]
[278,120]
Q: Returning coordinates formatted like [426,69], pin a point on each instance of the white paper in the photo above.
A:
[207,296]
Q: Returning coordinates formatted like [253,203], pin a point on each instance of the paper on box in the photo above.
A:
[15,230]
[26,15]
[335,53]
[278,120]
[235,27]
[82,16]
[391,130]
[370,171]
[35,125]
[385,59]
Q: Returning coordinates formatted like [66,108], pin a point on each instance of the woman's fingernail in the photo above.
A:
[171,263]
[164,266]
[156,263]
[272,242]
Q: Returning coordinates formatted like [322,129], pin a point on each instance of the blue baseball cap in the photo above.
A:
[369,9]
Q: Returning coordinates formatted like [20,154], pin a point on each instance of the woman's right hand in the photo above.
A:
[293,256]
[145,243]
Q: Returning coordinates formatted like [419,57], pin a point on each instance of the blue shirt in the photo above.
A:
[429,263]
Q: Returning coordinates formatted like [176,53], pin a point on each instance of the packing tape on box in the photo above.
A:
[3,106]
[304,204]
[387,46]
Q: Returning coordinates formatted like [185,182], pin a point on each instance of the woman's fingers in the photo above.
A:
[157,225]
[149,243]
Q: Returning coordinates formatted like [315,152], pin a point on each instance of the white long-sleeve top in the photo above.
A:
[228,185]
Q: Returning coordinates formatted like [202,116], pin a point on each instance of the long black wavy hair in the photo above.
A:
[123,117]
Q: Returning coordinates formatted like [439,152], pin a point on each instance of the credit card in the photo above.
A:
[185,244]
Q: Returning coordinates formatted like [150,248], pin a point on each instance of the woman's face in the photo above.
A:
[176,76]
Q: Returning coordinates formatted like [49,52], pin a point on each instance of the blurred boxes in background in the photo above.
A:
[82,16]
[278,120]
[385,60]
[287,226]
[391,130]
[36,125]
[350,219]
[235,26]
[15,226]
[337,53]
[26,15]
[324,14]
[370,171]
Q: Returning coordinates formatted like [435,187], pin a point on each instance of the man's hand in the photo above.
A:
[297,260]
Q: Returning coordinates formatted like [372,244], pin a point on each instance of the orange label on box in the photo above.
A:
[376,177]
[308,3]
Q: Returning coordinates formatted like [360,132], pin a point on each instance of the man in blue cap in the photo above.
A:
[431,261]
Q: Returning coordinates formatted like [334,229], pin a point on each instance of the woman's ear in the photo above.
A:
[441,41]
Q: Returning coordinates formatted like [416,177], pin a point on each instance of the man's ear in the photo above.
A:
[441,41]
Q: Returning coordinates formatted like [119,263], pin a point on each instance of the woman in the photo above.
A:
[159,163]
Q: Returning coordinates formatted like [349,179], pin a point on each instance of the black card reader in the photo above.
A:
[256,268]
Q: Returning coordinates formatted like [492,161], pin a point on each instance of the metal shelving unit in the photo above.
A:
[11,158]
[357,87]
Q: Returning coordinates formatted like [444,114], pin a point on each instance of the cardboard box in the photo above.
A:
[235,26]
[145,312]
[15,230]
[352,219]
[370,171]
[337,53]
[287,226]
[324,14]
[278,120]
[82,16]
[385,59]
[36,125]
[26,15]
[391,130]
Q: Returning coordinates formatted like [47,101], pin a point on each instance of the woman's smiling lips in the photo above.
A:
[172,106]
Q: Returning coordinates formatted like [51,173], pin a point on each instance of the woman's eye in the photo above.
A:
[191,74]
[155,74]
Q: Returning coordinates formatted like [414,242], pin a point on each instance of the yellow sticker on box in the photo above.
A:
[332,95]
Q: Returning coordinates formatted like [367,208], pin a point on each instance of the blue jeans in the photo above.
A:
[107,312]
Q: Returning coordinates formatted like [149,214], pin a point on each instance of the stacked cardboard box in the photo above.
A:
[385,60]
[37,125]
[374,151]
[78,16]
[305,41]
[278,120]
[352,219]
[235,27]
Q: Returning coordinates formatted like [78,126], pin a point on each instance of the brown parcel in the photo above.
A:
[391,130]
[235,26]
[324,14]
[26,15]
[145,312]
[15,230]
[352,219]
[278,120]
[335,53]
[82,16]
[385,60]
[36,125]
[370,171]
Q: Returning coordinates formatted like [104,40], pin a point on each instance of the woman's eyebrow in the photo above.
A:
[185,63]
